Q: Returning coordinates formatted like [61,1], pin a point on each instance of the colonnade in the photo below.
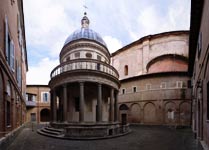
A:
[113,111]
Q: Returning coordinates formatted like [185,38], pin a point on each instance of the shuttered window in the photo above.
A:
[12,56]
[7,40]
[9,47]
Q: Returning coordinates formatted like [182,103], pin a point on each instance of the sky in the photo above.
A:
[48,23]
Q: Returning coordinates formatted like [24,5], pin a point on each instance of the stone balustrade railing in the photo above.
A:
[84,64]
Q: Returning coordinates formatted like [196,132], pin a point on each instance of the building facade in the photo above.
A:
[13,66]
[38,103]
[199,69]
[84,88]
[154,80]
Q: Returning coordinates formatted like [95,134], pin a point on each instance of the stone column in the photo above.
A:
[54,106]
[51,105]
[64,103]
[99,103]
[116,107]
[60,109]
[81,113]
[111,104]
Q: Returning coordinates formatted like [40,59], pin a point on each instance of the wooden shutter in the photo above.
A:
[6,39]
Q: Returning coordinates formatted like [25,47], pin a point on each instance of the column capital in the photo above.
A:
[81,83]
[64,85]
[99,84]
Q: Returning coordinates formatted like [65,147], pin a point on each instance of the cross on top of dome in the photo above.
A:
[85,33]
[85,21]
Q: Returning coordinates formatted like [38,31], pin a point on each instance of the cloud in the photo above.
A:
[40,74]
[155,19]
[113,44]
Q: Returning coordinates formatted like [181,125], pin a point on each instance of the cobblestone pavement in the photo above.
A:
[142,138]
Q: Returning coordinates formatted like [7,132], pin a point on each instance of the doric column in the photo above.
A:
[111,104]
[116,108]
[99,103]
[54,106]
[64,103]
[81,113]
[51,105]
[60,108]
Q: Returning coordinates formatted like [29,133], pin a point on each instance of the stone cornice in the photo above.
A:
[84,76]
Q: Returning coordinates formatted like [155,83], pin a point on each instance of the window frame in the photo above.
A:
[99,57]
[161,85]
[42,97]
[88,55]
[148,86]
[123,91]
[126,70]
[179,82]
[134,89]
[77,55]
[9,47]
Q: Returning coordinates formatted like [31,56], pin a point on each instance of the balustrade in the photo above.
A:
[85,64]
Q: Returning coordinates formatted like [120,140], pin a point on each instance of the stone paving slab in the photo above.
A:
[142,138]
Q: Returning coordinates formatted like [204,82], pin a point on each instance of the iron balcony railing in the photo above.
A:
[84,64]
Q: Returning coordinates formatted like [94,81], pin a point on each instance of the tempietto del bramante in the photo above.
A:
[84,89]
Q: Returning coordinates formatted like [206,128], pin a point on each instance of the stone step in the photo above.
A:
[53,129]
[50,132]
[40,131]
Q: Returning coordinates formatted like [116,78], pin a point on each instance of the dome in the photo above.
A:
[85,33]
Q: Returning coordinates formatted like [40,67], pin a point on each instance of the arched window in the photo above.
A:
[126,70]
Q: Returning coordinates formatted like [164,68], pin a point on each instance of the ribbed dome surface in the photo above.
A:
[85,33]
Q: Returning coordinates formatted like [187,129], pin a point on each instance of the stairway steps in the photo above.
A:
[51,132]
[53,129]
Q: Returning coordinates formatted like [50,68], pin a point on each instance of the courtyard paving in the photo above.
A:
[141,138]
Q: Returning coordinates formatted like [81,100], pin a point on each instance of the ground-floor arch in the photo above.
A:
[149,113]
[135,113]
[45,115]
[170,108]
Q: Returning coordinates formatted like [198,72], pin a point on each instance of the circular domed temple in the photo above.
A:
[84,90]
